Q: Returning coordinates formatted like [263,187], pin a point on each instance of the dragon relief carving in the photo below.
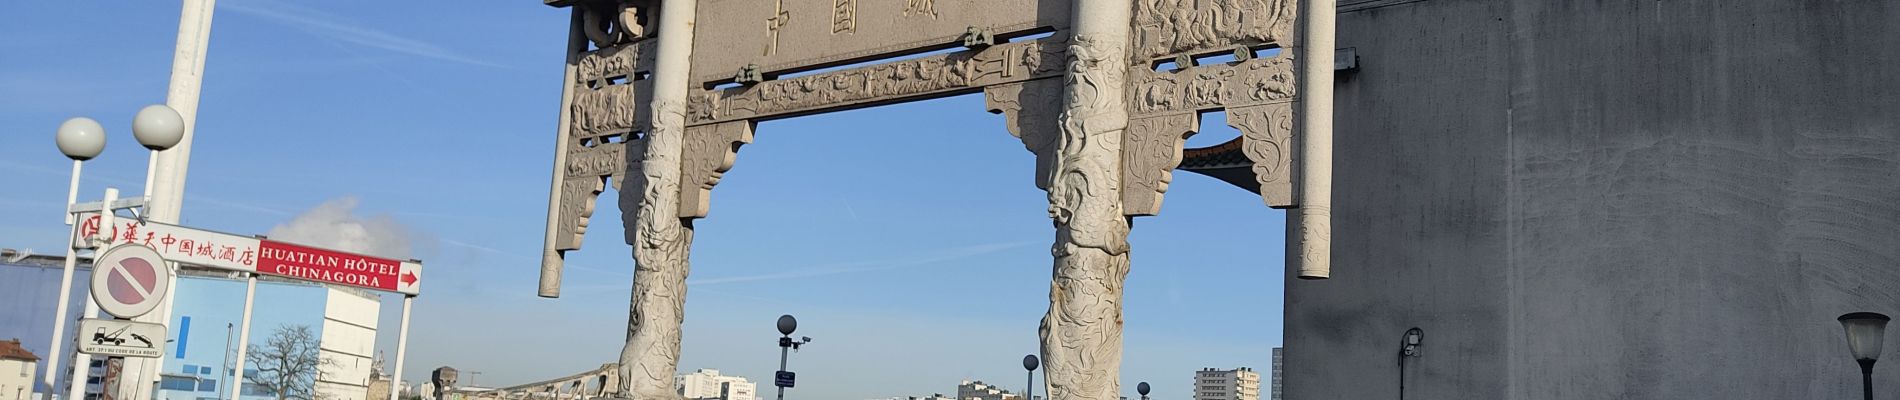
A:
[649,205]
[1082,332]
[1166,28]
[1207,87]
[996,65]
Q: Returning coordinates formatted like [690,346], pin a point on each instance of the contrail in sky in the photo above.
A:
[316,23]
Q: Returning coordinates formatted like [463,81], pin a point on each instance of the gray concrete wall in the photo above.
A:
[1608,200]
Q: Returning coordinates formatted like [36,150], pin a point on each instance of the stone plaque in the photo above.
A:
[782,35]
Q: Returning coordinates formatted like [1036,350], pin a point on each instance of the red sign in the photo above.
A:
[314,264]
[129,281]
[137,287]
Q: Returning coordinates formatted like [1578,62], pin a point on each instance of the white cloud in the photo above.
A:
[335,225]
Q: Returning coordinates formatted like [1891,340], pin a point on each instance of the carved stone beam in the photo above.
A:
[710,152]
[919,78]
[1150,151]
[551,261]
[1029,110]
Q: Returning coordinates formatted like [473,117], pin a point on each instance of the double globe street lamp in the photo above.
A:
[157,127]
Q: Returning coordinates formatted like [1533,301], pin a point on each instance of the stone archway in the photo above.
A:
[658,102]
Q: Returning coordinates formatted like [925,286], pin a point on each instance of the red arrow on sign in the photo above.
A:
[408,278]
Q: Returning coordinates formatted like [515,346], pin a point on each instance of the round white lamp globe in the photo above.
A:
[81,138]
[158,127]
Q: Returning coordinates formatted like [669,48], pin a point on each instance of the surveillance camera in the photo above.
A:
[807,339]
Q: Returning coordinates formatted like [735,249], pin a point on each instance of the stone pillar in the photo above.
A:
[1082,334]
[649,203]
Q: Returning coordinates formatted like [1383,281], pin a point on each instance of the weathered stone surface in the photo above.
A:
[1166,28]
[1151,150]
[1029,110]
[710,152]
[791,35]
[901,80]
[1266,134]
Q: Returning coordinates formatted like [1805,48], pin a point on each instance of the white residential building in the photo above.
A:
[17,366]
[1232,384]
[708,384]
[977,390]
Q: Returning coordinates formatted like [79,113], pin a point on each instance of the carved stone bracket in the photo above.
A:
[710,151]
[1267,140]
[1029,110]
[1150,151]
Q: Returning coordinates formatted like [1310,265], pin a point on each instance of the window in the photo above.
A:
[204,370]
[208,385]
[177,383]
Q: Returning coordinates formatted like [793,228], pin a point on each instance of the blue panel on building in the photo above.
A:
[184,333]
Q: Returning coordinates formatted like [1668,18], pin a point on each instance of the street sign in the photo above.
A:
[176,243]
[784,379]
[111,337]
[226,251]
[128,281]
[335,267]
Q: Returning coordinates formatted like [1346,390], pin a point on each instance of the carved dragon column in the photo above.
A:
[1082,333]
[649,203]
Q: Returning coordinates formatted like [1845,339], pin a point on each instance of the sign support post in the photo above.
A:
[244,336]
[82,362]
[65,287]
[402,345]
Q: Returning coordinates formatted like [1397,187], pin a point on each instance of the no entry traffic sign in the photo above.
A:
[129,280]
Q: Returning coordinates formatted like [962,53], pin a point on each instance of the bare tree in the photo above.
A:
[287,363]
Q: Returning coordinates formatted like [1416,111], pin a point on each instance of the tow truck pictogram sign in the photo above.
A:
[124,338]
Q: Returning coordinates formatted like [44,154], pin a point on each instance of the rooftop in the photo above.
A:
[11,350]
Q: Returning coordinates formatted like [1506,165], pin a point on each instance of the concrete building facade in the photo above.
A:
[708,384]
[1634,200]
[1226,384]
[1277,368]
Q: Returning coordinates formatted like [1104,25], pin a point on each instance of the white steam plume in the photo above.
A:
[335,225]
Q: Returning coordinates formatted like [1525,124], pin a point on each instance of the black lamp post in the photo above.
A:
[1865,331]
[784,379]
[1142,388]
[1030,362]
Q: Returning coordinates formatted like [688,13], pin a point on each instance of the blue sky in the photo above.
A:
[909,239]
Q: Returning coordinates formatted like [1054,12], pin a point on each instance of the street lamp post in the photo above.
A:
[1865,330]
[1030,362]
[784,379]
[157,127]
